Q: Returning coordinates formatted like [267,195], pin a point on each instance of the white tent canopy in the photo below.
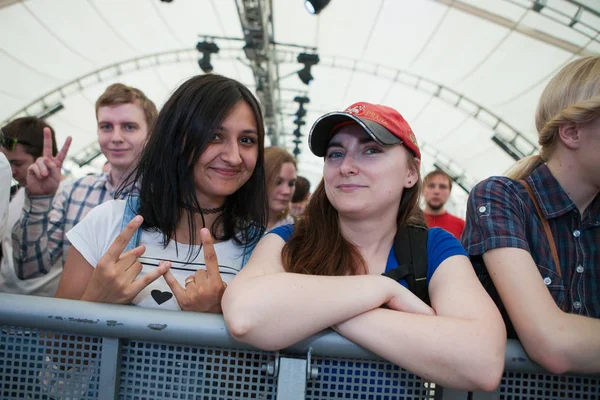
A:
[461,72]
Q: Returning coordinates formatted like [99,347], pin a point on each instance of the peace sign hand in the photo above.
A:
[114,278]
[43,176]
[203,290]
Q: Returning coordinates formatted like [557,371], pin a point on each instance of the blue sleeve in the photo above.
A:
[284,231]
[441,245]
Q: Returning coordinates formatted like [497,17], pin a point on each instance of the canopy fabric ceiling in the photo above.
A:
[422,57]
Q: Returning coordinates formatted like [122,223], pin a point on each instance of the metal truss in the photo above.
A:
[514,142]
[55,96]
[579,17]
[511,140]
[257,25]
[442,161]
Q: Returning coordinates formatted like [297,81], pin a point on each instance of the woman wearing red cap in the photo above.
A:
[327,270]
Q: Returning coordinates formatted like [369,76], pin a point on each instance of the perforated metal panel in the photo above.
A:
[518,386]
[369,380]
[162,371]
[48,365]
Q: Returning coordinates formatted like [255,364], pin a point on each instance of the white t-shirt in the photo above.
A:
[5,180]
[96,232]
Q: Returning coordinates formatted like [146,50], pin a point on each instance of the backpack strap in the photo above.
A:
[132,206]
[410,247]
[545,225]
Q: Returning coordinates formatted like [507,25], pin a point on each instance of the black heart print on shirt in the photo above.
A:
[160,297]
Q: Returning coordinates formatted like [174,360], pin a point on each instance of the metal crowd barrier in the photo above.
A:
[63,349]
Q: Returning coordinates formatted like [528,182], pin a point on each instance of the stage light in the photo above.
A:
[315,6]
[206,48]
[308,60]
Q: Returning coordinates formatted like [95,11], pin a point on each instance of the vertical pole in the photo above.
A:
[110,369]
[291,380]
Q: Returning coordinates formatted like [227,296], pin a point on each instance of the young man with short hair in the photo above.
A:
[124,116]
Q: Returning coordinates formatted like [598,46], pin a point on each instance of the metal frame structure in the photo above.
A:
[100,75]
[257,25]
[92,151]
[263,55]
[511,140]
[576,20]
[164,342]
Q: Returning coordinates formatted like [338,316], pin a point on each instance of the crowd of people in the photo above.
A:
[225,225]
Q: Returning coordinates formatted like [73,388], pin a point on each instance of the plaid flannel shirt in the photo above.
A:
[39,237]
[500,213]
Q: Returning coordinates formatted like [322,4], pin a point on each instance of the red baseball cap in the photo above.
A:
[384,124]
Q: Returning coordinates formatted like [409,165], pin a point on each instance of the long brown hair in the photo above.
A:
[275,157]
[317,246]
[572,96]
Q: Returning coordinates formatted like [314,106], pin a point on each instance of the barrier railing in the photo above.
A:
[62,349]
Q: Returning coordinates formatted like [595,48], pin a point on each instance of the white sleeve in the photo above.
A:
[93,235]
[5,181]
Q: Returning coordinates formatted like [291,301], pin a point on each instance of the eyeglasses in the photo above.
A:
[10,143]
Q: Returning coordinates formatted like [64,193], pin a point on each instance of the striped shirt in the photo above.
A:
[500,213]
[39,237]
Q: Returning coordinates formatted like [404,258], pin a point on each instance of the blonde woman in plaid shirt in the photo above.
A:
[538,252]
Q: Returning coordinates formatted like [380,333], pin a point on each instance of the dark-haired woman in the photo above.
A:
[200,176]
[327,270]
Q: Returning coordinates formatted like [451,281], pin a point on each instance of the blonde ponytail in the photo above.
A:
[571,97]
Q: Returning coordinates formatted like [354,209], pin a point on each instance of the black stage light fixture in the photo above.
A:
[301,99]
[301,113]
[308,60]
[206,48]
[315,6]
[305,75]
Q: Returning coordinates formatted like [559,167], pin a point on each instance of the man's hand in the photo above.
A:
[43,176]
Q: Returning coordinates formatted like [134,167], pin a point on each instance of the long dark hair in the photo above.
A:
[317,246]
[183,129]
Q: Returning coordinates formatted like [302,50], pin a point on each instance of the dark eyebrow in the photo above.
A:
[362,140]
[245,131]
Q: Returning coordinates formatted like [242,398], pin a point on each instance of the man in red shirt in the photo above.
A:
[436,191]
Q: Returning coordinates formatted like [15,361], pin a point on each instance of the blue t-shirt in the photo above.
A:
[362,379]
[440,245]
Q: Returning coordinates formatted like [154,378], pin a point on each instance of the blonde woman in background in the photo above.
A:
[534,236]
[280,171]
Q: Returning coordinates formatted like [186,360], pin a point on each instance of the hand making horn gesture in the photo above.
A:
[43,176]
[203,290]
[114,278]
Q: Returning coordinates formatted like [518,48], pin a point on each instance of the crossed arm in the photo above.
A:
[459,342]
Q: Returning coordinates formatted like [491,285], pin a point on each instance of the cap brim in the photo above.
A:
[321,131]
